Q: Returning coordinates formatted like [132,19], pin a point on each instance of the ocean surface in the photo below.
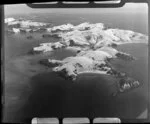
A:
[33,90]
[130,21]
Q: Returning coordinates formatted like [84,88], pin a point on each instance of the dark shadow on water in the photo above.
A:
[53,96]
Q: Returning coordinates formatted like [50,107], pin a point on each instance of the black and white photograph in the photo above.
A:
[75,62]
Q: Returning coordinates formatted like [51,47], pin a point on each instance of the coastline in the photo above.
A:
[47,85]
[93,72]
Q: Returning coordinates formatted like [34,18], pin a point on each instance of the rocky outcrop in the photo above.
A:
[127,83]
[125,56]
[23,25]
[47,47]
[30,37]
[61,28]
[8,20]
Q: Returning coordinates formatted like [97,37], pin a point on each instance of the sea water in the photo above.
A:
[33,90]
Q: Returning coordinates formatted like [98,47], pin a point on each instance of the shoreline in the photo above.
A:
[48,89]
[92,72]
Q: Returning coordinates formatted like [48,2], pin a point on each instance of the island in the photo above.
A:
[95,45]
[22,25]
